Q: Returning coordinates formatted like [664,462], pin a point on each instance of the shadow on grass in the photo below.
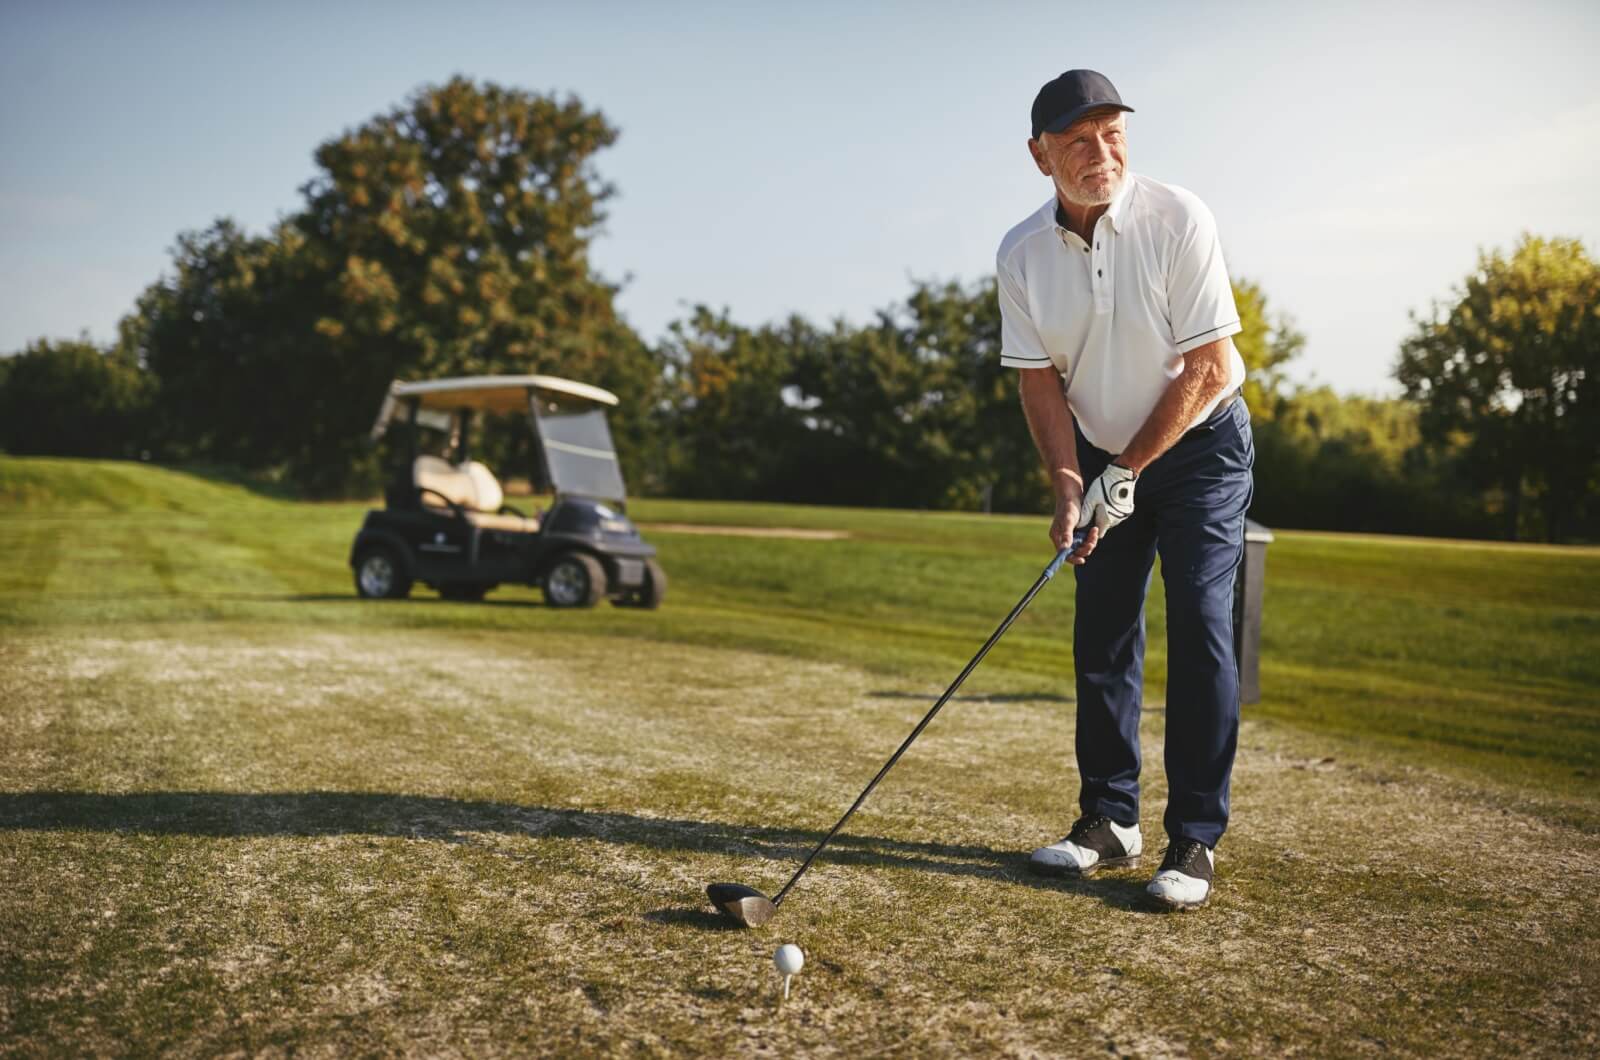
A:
[426,597]
[226,475]
[695,918]
[995,697]
[443,819]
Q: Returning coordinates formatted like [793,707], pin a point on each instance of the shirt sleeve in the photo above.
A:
[1199,296]
[1020,346]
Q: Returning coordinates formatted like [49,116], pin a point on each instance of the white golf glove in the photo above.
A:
[1109,498]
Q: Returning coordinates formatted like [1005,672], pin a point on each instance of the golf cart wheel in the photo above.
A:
[381,576]
[470,592]
[651,593]
[575,580]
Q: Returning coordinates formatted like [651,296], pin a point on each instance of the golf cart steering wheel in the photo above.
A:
[452,505]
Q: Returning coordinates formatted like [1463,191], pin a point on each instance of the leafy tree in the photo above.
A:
[912,409]
[228,334]
[921,410]
[733,434]
[1266,343]
[446,237]
[989,456]
[879,412]
[73,399]
[451,235]
[1331,462]
[454,232]
[1512,369]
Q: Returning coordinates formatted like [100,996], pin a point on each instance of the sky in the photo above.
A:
[819,158]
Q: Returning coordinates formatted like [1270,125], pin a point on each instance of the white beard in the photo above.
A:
[1078,196]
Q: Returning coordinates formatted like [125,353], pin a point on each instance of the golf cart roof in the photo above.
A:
[482,393]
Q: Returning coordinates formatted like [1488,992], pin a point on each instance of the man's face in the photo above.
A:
[1087,160]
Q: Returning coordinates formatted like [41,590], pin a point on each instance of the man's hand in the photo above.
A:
[1062,526]
[1108,500]
[1066,520]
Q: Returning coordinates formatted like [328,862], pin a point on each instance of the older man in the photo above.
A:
[1116,308]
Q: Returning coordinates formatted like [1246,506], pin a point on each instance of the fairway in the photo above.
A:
[241,810]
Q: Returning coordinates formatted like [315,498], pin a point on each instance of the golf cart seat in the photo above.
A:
[473,489]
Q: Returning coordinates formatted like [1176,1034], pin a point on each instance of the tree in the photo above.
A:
[912,409]
[73,399]
[1266,343]
[1512,370]
[446,237]
[879,411]
[928,415]
[228,333]
[1332,462]
[733,434]
[454,235]
[451,236]
[987,452]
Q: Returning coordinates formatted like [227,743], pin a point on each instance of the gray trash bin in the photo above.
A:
[1248,590]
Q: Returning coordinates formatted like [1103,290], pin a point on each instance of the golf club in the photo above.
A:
[748,906]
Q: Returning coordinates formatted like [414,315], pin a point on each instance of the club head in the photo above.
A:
[745,905]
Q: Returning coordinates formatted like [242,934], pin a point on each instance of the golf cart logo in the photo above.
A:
[438,544]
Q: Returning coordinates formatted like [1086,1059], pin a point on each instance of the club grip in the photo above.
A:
[1078,537]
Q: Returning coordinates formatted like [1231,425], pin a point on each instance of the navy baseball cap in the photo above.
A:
[1069,97]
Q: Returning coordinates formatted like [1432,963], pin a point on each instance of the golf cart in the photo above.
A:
[445,522]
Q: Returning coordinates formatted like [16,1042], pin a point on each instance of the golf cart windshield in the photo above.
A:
[578,453]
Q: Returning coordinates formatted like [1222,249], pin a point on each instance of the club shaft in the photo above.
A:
[999,632]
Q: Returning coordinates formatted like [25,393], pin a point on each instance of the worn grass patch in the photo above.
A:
[264,839]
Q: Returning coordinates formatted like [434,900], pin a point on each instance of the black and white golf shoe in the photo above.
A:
[1184,879]
[1096,841]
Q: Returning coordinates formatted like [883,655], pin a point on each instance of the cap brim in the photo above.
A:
[1060,122]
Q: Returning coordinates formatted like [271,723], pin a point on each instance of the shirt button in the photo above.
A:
[1099,272]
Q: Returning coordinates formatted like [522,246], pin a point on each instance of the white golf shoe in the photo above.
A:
[1096,841]
[1184,879]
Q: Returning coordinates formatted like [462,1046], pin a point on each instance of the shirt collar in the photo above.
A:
[1117,211]
[1119,203]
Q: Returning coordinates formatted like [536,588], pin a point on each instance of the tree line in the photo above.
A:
[450,236]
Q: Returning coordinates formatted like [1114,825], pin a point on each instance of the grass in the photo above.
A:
[242,811]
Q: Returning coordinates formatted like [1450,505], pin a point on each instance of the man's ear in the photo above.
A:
[1036,149]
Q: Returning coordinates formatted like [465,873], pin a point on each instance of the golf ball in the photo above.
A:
[789,959]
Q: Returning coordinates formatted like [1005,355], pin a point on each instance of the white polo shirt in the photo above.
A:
[1115,316]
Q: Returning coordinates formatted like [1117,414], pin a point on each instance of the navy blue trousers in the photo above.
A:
[1189,506]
